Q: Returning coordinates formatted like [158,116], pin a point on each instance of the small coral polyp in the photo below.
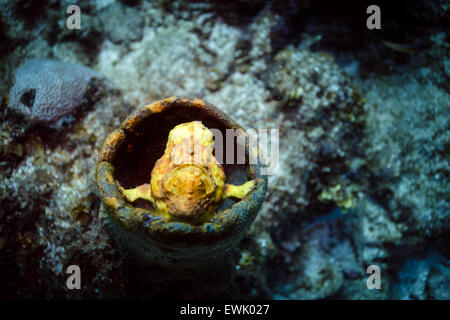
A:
[186,226]
[187,182]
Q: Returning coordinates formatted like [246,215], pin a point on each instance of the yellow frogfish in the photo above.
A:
[188,183]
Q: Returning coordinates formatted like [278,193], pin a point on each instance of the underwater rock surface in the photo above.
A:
[363,131]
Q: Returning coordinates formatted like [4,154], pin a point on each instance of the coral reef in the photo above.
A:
[49,216]
[46,90]
[407,154]
[363,137]
[321,125]
[131,22]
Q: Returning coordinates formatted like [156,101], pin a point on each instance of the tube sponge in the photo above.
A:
[163,250]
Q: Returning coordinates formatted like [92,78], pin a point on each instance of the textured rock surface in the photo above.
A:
[130,19]
[407,136]
[50,210]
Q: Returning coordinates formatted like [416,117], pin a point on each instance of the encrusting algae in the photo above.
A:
[187,182]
